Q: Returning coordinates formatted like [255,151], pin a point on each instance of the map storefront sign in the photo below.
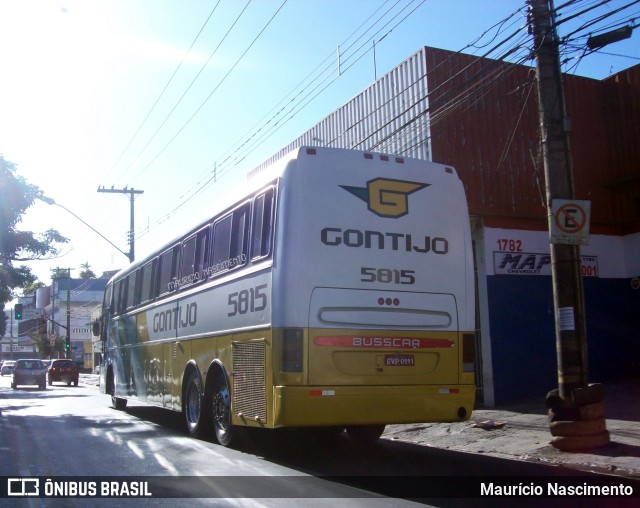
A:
[81,333]
[528,263]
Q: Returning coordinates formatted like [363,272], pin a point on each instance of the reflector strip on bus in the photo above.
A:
[447,391]
[384,342]
[321,393]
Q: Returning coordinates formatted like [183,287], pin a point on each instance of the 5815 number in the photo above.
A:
[387,276]
[247,300]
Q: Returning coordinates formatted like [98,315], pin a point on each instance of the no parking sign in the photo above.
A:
[570,224]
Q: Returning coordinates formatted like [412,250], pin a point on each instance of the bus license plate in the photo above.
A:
[399,360]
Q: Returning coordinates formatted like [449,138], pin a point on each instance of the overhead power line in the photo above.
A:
[235,157]
[186,91]
[513,50]
[166,86]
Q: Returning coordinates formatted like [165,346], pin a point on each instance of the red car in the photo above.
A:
[64,371]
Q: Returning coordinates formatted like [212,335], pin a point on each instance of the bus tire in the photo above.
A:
[197,417]
[221,411]
[365,434]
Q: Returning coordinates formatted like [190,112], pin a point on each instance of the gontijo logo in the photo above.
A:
[385,197]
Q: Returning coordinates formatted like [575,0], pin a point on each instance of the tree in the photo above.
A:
[16,195]
[47,348]
[87,272]
[60,273]
[32,287]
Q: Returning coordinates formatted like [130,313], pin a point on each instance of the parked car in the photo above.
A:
[64,371]
[7,367]
[29,372]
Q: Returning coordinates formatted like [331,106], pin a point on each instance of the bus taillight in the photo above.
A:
[292,350]
[468,352]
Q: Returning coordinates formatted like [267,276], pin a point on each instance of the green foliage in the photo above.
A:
[60,273]
[46,348]
[87,272]
[16,195]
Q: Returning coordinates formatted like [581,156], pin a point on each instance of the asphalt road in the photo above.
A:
[71,432]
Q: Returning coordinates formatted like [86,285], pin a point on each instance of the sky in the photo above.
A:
[181,99]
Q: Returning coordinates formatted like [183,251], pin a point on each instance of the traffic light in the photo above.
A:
[17,311]
[68,344]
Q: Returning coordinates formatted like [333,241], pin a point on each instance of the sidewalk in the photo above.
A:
[521,431]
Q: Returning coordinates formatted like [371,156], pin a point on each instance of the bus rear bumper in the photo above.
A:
[348,405]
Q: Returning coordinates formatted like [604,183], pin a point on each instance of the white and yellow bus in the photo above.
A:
[338,292]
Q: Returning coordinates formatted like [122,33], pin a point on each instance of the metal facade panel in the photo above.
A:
[621,105]
[488,129]
[589,150]
[382,118]
[481,116]
[484,122]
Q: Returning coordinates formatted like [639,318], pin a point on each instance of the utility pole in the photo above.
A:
[68,336]
[132,192]
[576,408]
[11,336]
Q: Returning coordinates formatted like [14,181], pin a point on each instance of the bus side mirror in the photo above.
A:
[95,327]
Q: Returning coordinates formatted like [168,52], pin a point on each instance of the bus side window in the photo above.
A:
[188,258]
[221,243]
[262,225]
[167,271]
[107,303]
[201,261]
[132,289]
[146,289]
[120,295]
[195,254]
[239,234]
[229,241]
[116,296]
[122,300]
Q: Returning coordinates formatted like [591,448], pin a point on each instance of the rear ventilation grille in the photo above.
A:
[249,380]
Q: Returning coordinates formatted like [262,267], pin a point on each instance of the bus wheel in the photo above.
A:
[194,411]
[222,410]
[365,434]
